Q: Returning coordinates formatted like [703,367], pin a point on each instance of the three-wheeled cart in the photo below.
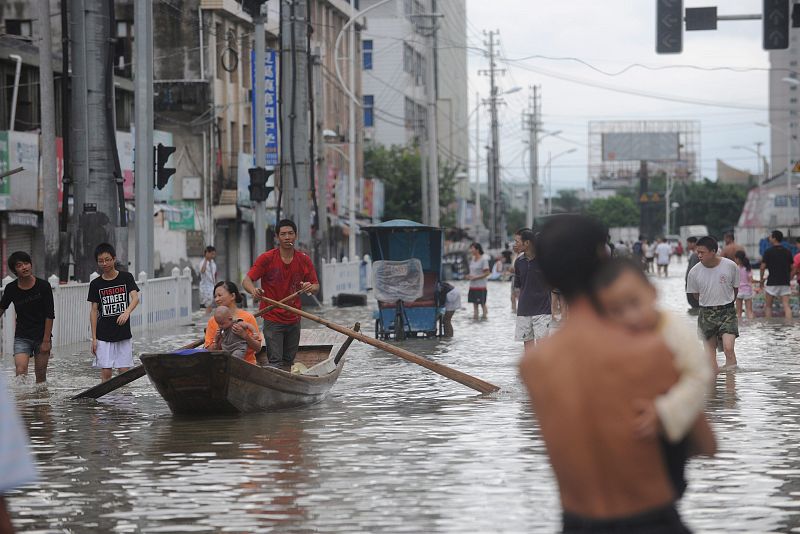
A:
[406,273]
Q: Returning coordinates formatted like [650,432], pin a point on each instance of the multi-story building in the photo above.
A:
[20,120]
[784,122]
[395,85]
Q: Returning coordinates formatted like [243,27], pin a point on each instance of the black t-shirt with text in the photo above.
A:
[779,264]
[33,307]
[112,298]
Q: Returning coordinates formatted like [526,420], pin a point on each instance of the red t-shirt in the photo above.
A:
[279,280]
[797,265]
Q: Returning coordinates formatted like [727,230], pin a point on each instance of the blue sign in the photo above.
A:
[270,105]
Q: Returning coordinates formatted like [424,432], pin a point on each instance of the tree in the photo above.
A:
[615,211]
[516,220]
[400,169]
[567,201]
[713,204]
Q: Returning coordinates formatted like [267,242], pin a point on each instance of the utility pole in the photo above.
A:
[531,121]
[352,139]
[98,211]
[66,180]
[47,141]
[143,109]
[259,207]
[494,167]
[322,172]
[432,130]
[295,162]
[478,220]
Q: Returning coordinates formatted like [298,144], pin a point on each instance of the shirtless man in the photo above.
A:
[587,383]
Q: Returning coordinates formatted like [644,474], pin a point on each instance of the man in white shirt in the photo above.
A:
[16,462]
[715,282]
[663,253]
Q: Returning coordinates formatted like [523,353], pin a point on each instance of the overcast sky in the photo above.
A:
[610,35]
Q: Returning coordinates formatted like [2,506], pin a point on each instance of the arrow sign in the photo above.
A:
[776,24]
[669,31]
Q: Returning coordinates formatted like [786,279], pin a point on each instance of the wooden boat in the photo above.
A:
[209,383]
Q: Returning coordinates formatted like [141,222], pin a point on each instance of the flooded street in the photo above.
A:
[394,448]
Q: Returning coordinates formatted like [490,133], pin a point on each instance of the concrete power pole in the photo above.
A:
[48,142]
[494,167]
[478,220]
[352,139]
[143,108]
[531,120]
[319,136]
[259,208]
[98,215]
[295,132]
[433,137]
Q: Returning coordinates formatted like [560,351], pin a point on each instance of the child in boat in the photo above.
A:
[623,294]
[228,338]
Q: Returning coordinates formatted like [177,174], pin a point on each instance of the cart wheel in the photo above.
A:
[399,330]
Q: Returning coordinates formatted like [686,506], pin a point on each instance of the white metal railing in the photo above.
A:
[346,277]
[164,303]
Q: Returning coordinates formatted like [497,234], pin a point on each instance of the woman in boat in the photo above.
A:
[228,295]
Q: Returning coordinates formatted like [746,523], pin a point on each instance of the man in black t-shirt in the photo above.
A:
[114,295]
[778,261]
[33,303]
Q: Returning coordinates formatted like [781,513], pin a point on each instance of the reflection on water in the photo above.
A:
[394,448]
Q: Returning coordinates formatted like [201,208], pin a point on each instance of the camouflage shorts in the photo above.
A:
[713,322]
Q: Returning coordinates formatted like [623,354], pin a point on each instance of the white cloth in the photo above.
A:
[476,268]
[531,327]
[663,252]
[114,354]
[16,462]
[679,407]
[778,291]
[452,301]
[715,284]
[207,281]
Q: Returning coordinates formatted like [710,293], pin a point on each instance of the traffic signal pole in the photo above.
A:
[143,109]
[259,207]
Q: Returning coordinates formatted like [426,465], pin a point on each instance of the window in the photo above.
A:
[19,27]
[369,111]
[793,100]
[419,69]
[366,48]
[408,59]
[409,113]
[247,139]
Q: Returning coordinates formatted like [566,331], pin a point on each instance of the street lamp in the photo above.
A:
[550,160]
[757,152]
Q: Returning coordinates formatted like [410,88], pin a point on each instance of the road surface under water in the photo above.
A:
[394,448]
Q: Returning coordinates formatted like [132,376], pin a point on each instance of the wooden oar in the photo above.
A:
[121,379]
[134,373]
[447,372]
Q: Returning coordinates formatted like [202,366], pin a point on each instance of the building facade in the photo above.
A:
[784,107]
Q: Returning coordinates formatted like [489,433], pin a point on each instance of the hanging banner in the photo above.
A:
[270,105]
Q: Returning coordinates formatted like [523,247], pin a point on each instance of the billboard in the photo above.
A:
[270,105]
[640,146]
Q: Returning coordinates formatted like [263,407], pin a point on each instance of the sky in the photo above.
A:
[611,35]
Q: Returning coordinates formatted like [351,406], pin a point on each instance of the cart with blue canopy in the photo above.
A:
[406,273]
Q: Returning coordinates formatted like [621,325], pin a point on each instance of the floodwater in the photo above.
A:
[394,448]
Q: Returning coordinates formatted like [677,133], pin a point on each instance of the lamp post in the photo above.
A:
[550,160]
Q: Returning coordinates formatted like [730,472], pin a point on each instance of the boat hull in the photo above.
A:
[213,383]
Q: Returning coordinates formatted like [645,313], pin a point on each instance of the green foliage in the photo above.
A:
[400,169]
[615,211]
[516,219]
[567,201]
[716,205]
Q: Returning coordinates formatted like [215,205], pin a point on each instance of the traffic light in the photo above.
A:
[776,24]
[259,191]
[669,26]
[163,173]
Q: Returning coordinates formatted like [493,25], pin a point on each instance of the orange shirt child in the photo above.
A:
[212,327]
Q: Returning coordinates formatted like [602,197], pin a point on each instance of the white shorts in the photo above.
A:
[778,291]
[114,354]
[532,327]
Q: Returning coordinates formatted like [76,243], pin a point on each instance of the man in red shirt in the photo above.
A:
[796,264]
[282,271]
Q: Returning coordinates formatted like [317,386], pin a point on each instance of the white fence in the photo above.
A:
[346,277]
[163,303]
